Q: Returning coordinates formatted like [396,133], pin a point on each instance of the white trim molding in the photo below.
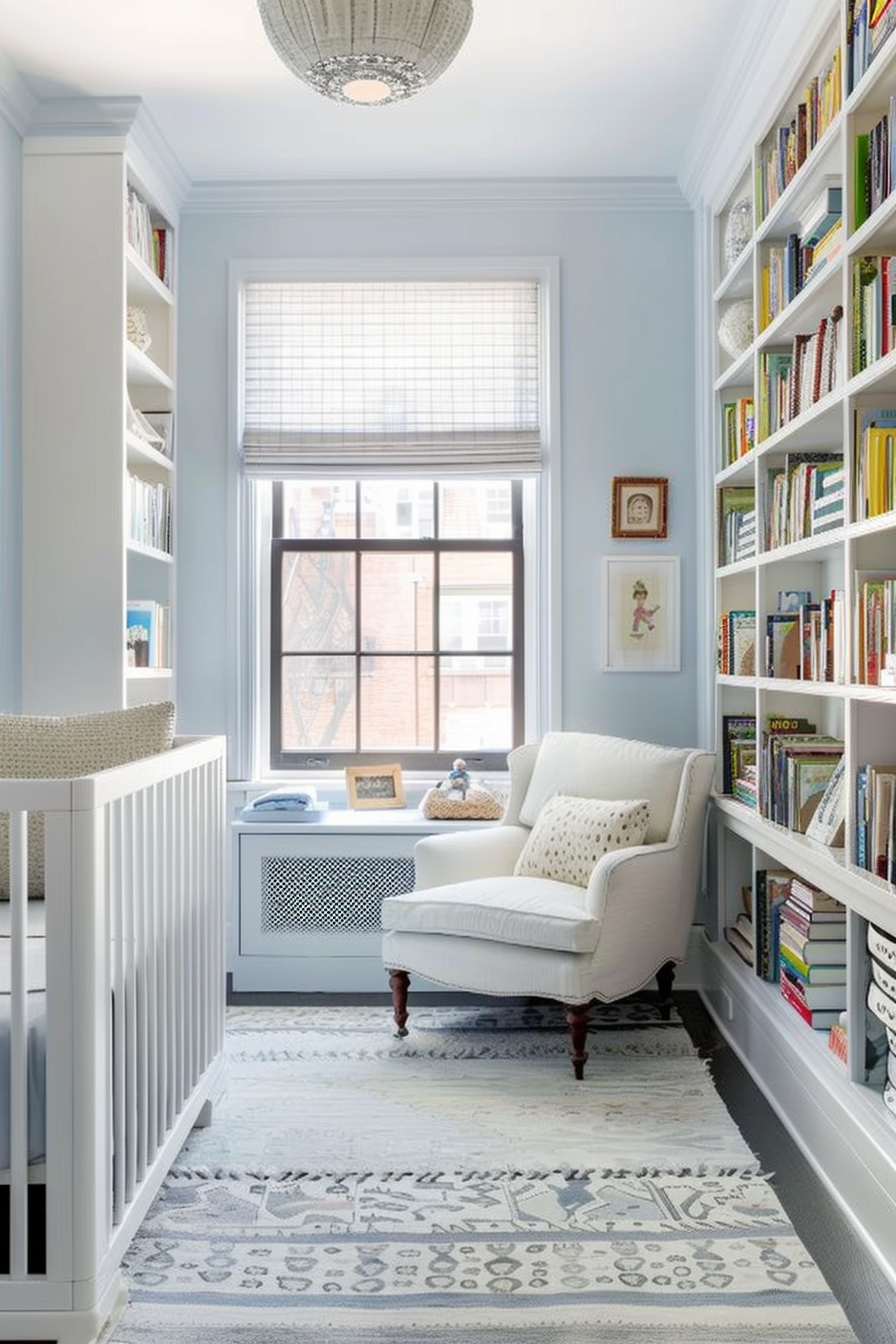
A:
[534,195]
[247,697]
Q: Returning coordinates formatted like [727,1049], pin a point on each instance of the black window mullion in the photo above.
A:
[430,756]
[276,651]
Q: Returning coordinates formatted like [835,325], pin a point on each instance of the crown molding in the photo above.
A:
[69,125]
[537,195]
[767,48]
[72,118]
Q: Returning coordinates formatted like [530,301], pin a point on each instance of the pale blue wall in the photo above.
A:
[10,415]
[627,407]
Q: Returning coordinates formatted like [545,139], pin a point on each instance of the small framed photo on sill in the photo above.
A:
[374,786]
[640,506]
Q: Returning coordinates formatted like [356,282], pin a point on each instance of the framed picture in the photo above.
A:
[639,615]
[374,786]
[640,506]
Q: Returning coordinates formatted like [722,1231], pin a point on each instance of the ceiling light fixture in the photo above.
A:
[367,51]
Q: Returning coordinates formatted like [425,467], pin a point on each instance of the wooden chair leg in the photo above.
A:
[577,1021]
[398,983]
[664,977]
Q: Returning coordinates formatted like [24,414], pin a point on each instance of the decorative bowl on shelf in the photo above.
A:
[736,328]
[738,230]
[138,329]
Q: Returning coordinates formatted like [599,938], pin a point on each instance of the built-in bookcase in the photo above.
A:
[99,461]
[805,351]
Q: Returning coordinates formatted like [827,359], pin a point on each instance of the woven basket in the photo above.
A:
[479,805]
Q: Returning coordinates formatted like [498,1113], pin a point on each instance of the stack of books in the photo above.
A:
[796,490]
[147,630]
[876,819]
[868,26]
[875,631]
[873,285]
[796,766]
[149,513]
[787,147]
[737,523]
[740,936]
[828,509]
[812,954]
[737,644]
[739,429]
[739,773]
[821,228]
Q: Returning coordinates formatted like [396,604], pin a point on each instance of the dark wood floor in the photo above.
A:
[858,1282]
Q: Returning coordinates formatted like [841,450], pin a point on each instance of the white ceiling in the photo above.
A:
[541,88]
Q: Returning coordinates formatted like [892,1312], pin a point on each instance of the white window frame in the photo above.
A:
[248,576]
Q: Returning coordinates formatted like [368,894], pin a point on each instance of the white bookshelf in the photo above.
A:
[82,561]
[838,1118]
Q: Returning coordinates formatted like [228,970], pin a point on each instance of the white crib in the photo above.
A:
[132,1022]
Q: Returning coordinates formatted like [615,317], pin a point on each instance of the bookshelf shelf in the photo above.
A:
[144,372]
[150,552]
[807,550]
[149,673]
[141,452]
[737,283]
[143,283]
[82,508]
[738,373]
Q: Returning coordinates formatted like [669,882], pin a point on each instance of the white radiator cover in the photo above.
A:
[309,900]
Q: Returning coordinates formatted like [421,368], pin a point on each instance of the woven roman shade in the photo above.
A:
[391,378]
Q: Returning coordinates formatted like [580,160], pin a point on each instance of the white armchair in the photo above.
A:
[584,890]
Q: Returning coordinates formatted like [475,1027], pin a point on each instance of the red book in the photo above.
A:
[885,306]
[817,1018]
[812,898]
[811,926]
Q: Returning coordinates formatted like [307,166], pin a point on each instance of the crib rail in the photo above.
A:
[135,988]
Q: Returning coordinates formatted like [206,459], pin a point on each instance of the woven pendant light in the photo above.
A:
[367,51]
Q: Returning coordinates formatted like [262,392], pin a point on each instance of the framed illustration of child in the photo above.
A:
[640,506]
[639,616]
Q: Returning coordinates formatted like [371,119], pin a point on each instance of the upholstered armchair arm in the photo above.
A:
[462,855]
[644,899]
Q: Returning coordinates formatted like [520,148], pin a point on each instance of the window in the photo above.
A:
[396,581]
[394,636]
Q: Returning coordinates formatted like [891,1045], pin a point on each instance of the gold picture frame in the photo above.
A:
[640,507]
[374,786]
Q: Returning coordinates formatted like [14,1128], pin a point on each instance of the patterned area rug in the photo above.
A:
[459,1187]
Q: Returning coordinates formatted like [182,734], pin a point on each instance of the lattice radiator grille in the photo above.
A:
[331,893]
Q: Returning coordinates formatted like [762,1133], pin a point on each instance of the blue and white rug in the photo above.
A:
[460,1187]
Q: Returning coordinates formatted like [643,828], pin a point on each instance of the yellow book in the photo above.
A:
[879,449]
[765,313]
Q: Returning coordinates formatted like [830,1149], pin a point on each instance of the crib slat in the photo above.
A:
[135,1008]
[115,868]
[143,987]
[18,1045]
[152,932]
[129,997]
